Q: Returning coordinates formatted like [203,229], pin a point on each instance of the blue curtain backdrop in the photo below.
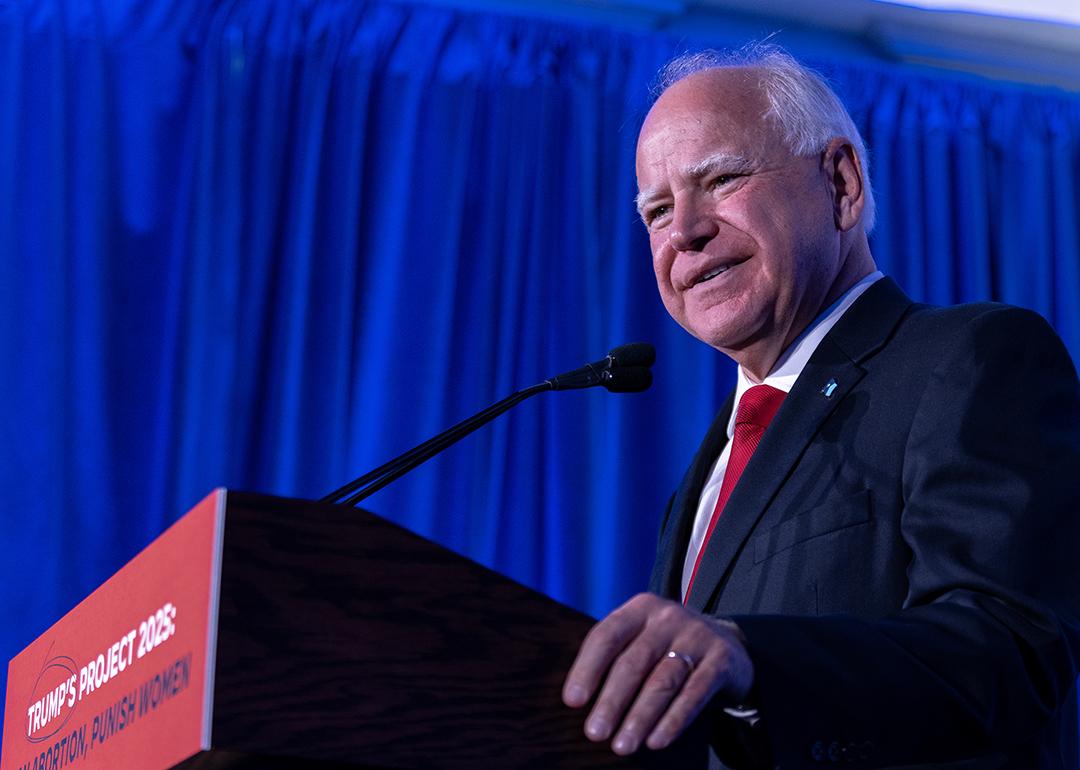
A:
[268,245]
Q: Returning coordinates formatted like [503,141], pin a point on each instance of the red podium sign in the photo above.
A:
[125,678]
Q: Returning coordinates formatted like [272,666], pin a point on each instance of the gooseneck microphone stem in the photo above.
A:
[625,369]
[378,478]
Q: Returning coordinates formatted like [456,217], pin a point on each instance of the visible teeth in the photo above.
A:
[712,274]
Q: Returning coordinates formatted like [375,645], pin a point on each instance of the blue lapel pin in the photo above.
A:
[830,386]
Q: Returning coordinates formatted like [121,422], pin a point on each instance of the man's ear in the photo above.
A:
[843,174]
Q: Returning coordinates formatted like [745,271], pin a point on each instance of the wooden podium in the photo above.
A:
[262,632]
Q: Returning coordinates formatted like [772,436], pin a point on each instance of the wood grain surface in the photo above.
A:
[348,640]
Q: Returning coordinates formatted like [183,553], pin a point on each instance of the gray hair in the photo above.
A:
[805,109]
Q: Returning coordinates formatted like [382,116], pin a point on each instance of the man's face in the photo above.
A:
[742,232]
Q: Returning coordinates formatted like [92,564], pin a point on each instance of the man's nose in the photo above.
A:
[691,228]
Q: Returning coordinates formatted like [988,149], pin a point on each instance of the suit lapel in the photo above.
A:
[787,437]
[675,536]
[829,375]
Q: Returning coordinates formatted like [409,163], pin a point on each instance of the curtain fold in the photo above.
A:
[269,245]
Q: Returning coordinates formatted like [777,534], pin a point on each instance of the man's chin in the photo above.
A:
[748,349]
[727,325]
[723,338]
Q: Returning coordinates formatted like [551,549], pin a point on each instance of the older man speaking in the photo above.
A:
[874,558]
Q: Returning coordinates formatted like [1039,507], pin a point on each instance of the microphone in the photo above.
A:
[624,370]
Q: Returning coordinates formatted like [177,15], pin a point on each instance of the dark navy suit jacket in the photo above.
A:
[903,554]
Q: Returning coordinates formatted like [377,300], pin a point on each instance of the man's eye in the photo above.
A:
[655,213]
[724,179]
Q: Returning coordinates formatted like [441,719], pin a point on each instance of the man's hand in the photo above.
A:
[650,694]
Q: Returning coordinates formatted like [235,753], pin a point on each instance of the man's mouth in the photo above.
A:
[708,275]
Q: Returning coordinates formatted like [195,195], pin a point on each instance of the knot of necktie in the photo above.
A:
[758,405]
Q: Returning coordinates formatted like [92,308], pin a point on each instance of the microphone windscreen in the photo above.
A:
[633,354]
[628,379]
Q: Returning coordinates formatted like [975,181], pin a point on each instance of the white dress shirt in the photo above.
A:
[783,375]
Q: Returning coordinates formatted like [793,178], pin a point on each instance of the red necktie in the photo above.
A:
[756,409]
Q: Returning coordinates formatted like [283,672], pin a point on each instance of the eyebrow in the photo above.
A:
[720,161]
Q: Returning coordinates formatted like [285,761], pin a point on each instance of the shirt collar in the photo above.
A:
[792,361]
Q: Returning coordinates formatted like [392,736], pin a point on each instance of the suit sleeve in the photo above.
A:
[984,653]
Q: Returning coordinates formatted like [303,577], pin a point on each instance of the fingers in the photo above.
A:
[668,677]
[701,685]
[633,671]
[648,696]
[678,686]
[725,666]
[604,642]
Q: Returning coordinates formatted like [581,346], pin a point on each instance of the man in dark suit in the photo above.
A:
[874,558]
